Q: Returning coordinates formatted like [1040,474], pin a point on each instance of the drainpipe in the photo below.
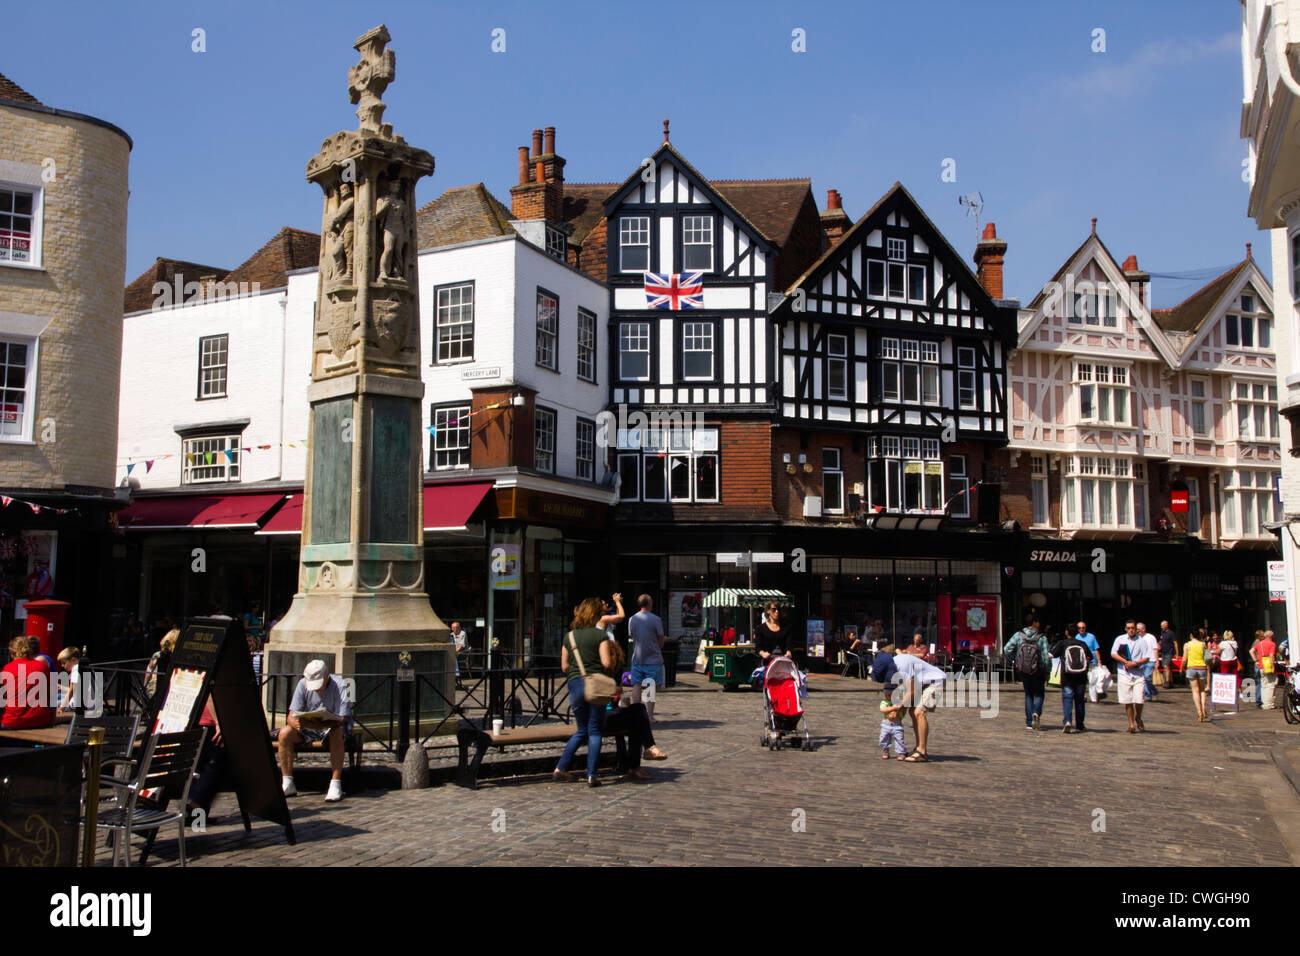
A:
[284,331]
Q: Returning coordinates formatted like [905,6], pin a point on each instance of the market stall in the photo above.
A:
[732,664]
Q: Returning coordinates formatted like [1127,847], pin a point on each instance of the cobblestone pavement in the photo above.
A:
[993,793]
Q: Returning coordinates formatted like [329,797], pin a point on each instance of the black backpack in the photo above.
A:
[1029,659]
[1075,659]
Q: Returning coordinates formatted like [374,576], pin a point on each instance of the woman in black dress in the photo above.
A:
[772,637]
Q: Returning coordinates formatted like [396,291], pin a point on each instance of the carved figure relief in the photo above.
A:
[392,220]
[340,236]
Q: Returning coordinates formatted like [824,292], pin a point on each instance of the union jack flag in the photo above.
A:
[674,291]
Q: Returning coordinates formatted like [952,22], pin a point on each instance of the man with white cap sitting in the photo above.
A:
[320,710]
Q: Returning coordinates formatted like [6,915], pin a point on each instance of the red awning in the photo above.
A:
[288,520]
[448,507]
[198,511]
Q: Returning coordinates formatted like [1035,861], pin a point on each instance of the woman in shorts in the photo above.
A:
[1196,670]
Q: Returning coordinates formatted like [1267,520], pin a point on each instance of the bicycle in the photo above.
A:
[1290,695]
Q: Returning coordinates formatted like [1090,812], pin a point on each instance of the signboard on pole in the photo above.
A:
[1278,584]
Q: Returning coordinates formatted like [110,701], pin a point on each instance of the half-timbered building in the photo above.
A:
[1145,446]
[891,409]
[690,263]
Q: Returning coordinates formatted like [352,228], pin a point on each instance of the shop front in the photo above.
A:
[1106,582]
[546,552]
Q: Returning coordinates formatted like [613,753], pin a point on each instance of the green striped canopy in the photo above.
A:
[746,597]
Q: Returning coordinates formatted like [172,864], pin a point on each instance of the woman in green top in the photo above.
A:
[596,656]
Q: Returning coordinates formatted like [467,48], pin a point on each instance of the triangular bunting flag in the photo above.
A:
[208,457]
[230,455]
[263,447]
[148,466]
[4,500]
[129,467]
[36,509]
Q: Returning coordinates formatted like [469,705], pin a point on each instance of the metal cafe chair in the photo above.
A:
[166,770]
[859,661]
[119,737]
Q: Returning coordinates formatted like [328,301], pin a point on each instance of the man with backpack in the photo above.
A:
[1028,648]
[1075,656]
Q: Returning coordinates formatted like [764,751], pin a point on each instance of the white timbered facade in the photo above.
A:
[707,351]
[890,336]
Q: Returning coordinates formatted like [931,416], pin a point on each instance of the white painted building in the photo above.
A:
[1270,124]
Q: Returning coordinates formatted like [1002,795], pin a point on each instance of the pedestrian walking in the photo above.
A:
[1028,649]
[1197,672]
[1264,654]
[1228,659]
[1150,650]
[1098,674]
[1126,652]
[1168,651]
[1075,657]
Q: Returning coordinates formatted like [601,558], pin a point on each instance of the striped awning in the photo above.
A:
[746,597]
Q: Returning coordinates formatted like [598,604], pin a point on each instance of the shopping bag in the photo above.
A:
[1158,678]
[1055,679]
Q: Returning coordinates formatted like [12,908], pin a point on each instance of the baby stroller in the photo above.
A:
[783,716]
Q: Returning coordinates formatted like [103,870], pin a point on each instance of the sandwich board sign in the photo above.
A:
[1223,691]
[211,658]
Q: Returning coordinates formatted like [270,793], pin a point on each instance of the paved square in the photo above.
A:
[993,794]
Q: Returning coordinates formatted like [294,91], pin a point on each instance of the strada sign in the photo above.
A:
[1054,557]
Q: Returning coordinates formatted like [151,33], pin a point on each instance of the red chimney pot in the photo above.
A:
[550,140]
[990,231]
[1131,264]
[523,165]
[833,199]
[537,143]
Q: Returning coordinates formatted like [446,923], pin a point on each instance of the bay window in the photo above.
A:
[678,464]
[1103,393]
[1110,492]
[1256,412]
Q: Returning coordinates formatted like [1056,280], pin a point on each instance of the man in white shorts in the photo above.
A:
[1129,654]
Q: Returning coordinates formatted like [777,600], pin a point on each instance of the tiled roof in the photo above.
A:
[1188,315]
[584,206]
[462,214]
[139,295]
[770,205]
[9,90]
[287,250]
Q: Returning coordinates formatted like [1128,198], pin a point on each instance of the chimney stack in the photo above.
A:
[988,261]
[835,221]
[1136,277]
[540,193]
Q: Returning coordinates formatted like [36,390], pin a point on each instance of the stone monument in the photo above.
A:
[361,598]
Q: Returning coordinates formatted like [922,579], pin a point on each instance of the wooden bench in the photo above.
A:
[351,746]
[472,732]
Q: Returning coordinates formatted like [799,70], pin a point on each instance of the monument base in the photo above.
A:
[360,638]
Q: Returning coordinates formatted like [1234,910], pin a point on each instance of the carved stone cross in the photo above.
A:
[369,78]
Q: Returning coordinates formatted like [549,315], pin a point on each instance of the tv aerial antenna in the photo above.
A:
[973,202]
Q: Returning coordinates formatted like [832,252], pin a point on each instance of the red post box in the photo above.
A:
[46,620]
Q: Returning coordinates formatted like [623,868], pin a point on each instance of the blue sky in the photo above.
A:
[1143,136]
